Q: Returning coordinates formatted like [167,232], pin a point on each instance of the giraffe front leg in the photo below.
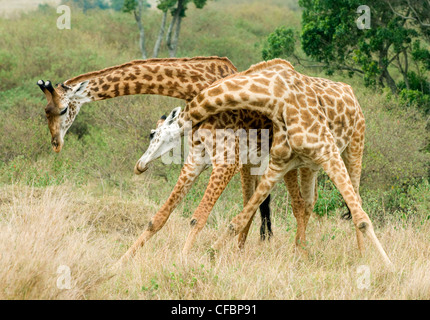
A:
[188,175]
[274,173]
[220,177]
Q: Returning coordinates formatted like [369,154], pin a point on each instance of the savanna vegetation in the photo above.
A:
[83,207]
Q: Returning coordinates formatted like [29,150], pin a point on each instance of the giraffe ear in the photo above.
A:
[65,87]
[173,115]
[79,88]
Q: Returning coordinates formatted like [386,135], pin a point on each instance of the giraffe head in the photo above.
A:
[162,140]
[63,105]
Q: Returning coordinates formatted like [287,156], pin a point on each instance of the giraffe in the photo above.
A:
[222,172]
[181,78]
[317,123]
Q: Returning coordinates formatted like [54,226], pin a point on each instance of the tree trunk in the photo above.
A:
[385,75]
[160,36]
[169,31]
[172,52]
[138,17]
[405,75]
[172,44]
[389,81]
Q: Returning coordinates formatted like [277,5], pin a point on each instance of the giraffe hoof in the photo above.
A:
[212,252]
[232,229]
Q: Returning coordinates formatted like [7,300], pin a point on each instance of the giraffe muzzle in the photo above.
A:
[138,169]
[56,145]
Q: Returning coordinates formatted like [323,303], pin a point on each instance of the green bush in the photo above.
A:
[415,98]
[408,203]
[395,143]
[329,198]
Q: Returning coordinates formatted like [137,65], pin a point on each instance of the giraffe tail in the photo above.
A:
[266,224]
[348,215]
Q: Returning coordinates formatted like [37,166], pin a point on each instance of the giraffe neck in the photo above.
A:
[178,78]
[248,90]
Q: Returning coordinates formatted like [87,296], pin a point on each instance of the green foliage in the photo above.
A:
[117,5]
[131,5]
[415,98]
[330,35]
[395,143]
[329,198]
[163,5]
[92,4]
[416,82]
[408,203]
[421,54]
[280,44]
[166,5]
[172,5]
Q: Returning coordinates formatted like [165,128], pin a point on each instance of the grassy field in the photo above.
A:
[80,210]
[43,229]
[14,8]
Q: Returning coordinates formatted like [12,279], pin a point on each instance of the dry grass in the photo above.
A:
[42,229]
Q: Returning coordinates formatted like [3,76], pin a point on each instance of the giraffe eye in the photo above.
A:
[151,135]
[63,111]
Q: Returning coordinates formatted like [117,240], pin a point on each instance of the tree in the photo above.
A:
[177,9]
[178,14]
[330,35]
[137,7]
[398,38]
[416,11]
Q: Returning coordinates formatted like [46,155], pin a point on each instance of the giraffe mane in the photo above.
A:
[132,63]
[266,64]
[257,67]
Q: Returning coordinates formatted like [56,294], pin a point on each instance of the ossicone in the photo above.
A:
[41,85]
[48,85]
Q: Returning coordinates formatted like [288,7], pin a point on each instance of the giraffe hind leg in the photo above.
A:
[274,173]
[336,170]
[352,157]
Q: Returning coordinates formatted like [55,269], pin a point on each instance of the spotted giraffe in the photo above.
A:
[224,168]
[316,123]
[181,78]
